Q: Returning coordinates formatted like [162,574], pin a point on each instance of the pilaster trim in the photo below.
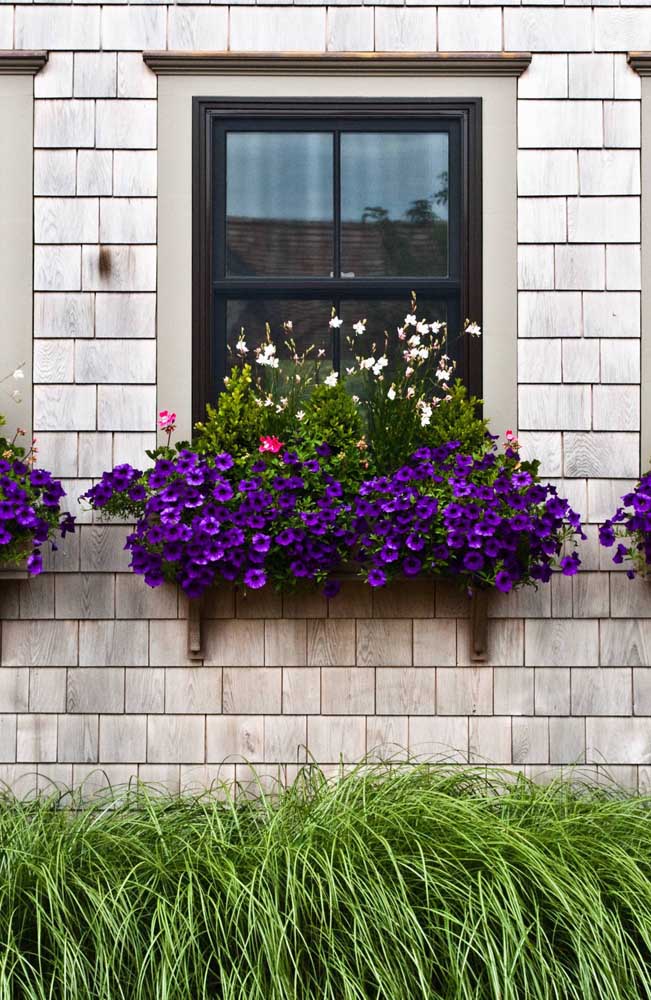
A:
[340,63]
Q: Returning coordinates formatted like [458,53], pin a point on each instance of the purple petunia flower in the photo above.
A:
[261,542]
[35,563]
[223,462]
[474,561]
[411,566]
[331,588]
[503,581]
[255,578]
[570,564]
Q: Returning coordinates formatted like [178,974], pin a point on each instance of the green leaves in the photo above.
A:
[397,881]
[236,423]
[458,418]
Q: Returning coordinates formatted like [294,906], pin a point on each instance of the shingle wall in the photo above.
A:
[94,668]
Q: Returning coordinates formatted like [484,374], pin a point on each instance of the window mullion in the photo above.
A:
[336,177]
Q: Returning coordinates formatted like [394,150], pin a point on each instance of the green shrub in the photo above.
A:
[394,883]
[236,422]
[331,417]
[395,429]
[458,419]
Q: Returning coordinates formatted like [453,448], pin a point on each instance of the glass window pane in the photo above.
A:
[394,203]
[309,326]
[279,203]
[382,321]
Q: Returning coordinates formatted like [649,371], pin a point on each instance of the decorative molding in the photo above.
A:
[640,62]
[340,63]
[19,61]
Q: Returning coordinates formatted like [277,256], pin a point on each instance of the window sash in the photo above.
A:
[460,349]
[337,126]
[211,288]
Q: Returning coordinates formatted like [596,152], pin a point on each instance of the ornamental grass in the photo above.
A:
[407,883]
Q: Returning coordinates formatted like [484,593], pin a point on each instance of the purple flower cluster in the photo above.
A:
[635,524]
[485,521]
[30,513]
[200,522]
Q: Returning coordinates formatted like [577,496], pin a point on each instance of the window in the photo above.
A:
[304,206]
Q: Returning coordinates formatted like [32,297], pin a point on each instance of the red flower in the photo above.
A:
[271,444]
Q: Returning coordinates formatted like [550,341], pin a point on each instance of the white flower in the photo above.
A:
[355,399]
[423,353]
[443,374]
[350,371]
[18,374]
[473,329]
[321,352]
[288,325]
[409,372]
[359,327]
[411,392]
[414,341]
[422,327]
[268,401]
[367,363]
[300,414]
[267,356]
[425,414]
[283,401]
[410,320]
[379,365]
[391,393]
[331,379]
[401,333]
[241,347]
[335,323]
[436,326]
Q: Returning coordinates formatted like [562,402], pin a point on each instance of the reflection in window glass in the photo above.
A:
[279,203]
[309,326]
[394,203]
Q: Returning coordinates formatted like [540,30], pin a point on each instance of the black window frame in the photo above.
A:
[212,117]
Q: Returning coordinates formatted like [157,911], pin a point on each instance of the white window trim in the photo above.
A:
[17,70]
[491,77]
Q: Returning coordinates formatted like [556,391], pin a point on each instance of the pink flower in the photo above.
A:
[166,420]
[510,436]
[271,444]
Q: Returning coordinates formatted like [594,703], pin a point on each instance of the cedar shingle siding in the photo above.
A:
[94,665]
